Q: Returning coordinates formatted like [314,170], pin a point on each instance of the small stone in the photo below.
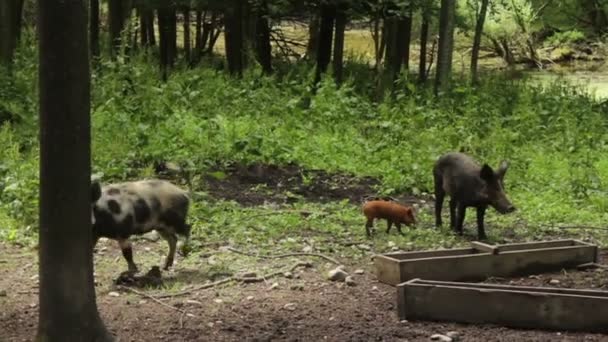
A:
[554,282]
[249,297]
[211,260]
[442,338]
[337,274]
[307,249]
[113,294]
[374,288]
[359,271]
[142,302]
[190,315]
[364,247]
[193,302]
[274,286]
[34,277]
[147,249]
[3,293]
[404,321]
[288,275]
[218,301]
[33,305]
[350,281]
[290,306]
[453,335]
[210,324]
[218,322]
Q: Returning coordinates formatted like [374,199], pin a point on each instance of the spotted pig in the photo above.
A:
[135,208]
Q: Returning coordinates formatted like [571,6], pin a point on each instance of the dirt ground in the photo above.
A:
[302,307]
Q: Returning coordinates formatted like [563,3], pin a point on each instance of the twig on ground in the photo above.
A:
[332,260]
[577,227]
[235,278]
[126,288]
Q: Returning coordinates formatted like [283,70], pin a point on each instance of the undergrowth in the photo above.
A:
[554,136]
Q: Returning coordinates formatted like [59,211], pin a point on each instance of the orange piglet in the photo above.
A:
[390,211]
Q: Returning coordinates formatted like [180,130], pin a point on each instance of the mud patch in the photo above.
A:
[258,183]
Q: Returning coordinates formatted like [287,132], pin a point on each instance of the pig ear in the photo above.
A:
[486,173]
[502,169]
[95,191]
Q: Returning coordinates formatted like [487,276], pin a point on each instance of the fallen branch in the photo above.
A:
[332,260]
[151,298]
[577,227]
[238,279]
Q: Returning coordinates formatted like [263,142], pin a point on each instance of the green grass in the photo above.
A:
[554,136]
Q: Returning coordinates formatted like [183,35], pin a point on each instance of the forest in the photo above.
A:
[279,121]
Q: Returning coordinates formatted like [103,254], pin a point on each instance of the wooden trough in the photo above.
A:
[482,261]
[511,306]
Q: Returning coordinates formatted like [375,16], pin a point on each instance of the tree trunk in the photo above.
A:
[313,37]
[116,23]
[94,28]
[234,37]
[406,26]
[150,26]
[424,36]
[18,18]
[143,26]
[326,30]
[446,45]
[68,311]
[508,54]
[198,48]
[338,63]
[187,34]
[477,39]
[8,34]
[167,36]
[263,47]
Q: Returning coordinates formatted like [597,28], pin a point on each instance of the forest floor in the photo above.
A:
[300,306]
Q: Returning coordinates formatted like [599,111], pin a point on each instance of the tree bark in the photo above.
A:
[150,26]
[338,62]
[94,28]
[143,26]
[263,47]
[326,30]
[424,36]
[313,37]
[234,38]
[8,34]
[187,48]
[481,18]
[116,23]
[19,18]
[198,48]
[167,36]
[68,311]
[446,45]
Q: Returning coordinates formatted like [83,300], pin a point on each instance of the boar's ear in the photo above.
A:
[502,169]
[95,191]
[486,173]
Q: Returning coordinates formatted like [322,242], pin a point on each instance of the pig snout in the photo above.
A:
[504,206]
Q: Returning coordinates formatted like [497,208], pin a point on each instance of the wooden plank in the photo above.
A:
[538,309]
[484,247]
[430,254]
[480,266]
[535,245]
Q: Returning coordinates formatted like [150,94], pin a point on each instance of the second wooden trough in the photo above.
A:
[482,261]
[512,306]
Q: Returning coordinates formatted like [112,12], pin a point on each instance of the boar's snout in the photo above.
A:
[505,207]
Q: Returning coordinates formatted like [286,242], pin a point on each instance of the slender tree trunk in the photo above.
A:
[508,54]
[8,34]
[94,28]
[234,37]
[116,19]
[214,34]
[313,37]
[198,48]
[326,30]
[143,26]
[446,45]
[167,36]
[481,18]
[263,47]
[68,311]
[424,36]
[338,62]
[19,18]
[406,26]
[187,48]
[150,27]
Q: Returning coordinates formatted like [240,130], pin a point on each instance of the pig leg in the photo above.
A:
[172,240]
[453,205]
[127,253]
[399,228]
[439,196]
[460,211]
[368,226]
[389,224]
[481,232]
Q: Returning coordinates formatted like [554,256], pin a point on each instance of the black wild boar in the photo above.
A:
[135,208]
[469,185]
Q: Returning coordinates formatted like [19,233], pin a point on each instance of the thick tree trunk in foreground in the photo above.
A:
[326,30]
[68,311]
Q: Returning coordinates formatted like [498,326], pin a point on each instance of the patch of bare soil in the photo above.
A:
[259,183]
[314,310]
